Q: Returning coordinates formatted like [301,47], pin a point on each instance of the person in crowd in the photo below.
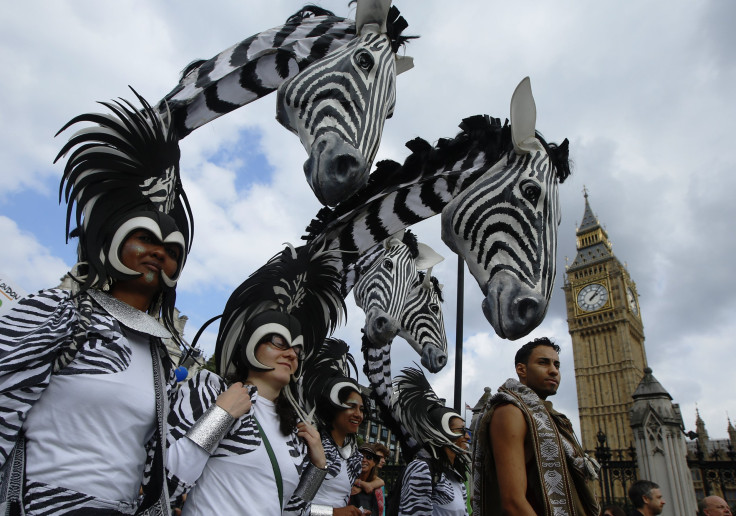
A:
[518,428]
[366,501]
[382,452]
[714,506]
[434,481]
[340,407]
[239,442]
[77,361]
[646,498]
[377,485]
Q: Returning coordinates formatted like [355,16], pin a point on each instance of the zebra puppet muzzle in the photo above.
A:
[338,106]
[506,227]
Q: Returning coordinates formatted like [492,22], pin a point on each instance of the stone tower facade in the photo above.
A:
[607,334]
[660,444]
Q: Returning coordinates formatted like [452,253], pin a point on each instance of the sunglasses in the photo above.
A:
[369,455]
[278,342]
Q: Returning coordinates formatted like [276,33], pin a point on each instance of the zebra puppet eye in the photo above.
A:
[531,191]
[388,264]
[434,308]
[364,60]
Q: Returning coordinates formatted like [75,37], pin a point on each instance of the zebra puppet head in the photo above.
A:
[506,225]
[338,105]
[398,299]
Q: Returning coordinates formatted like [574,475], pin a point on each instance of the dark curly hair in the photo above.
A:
[525,351]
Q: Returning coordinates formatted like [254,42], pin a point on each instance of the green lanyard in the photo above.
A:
[274,464]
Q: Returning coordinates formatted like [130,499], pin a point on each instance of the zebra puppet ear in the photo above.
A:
[395,239]
[427,257]
[403,64]
[524,119]
[371,15]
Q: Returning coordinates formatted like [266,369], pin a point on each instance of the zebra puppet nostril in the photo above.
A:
[345,164]
[335,169]
[381,323]
[528,309]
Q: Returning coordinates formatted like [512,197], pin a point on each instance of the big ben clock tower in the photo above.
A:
[607,336]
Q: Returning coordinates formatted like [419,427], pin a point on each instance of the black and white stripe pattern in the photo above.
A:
[361,81]
[252,69]
[35,337]
[419,496]
[481,169]
[193,399]
[387,281]
[335,460]
[506,230]
[422,324]
[338,107]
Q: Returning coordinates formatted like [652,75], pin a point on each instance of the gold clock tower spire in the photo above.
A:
[607,335]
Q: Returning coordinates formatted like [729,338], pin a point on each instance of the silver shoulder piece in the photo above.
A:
[129,316]
[310,482]
[209,429]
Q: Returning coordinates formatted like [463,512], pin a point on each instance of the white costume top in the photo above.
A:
[341,473]
[245,484]
[86,404]
[238,477]
[95,419]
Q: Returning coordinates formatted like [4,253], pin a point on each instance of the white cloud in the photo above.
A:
[643,91]
[28,262]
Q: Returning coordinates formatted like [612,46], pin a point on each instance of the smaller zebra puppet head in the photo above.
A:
[422,324]
[505,226]
[399,300]
[338,105]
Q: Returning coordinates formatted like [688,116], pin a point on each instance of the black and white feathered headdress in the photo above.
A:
[295,294]
[123,174]
[327,375]
[423,414]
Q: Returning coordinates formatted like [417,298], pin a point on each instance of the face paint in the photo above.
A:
[150,277]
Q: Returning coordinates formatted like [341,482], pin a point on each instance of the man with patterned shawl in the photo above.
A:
[526,458]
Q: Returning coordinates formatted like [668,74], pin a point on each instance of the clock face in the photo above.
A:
[592,297]
[632,300]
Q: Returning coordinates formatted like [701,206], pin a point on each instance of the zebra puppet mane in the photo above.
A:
[256,66]
[400,184]
[435,284]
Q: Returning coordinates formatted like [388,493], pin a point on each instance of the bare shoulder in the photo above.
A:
[507,421]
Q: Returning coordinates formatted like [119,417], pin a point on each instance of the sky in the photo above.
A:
[643,91]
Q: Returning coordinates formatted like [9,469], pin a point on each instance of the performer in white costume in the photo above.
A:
[84,374]
[434,482]
[340,408]
[240,442]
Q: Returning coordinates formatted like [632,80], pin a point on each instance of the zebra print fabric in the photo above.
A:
[190,403]
[251,69]
[377,368]
[37,331]
[335,460]
[419,497]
